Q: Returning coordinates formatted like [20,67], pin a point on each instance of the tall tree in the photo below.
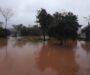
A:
[7,14]
[42,20]
[71,26]
[64,26]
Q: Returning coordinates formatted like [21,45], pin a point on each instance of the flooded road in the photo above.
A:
[26,57]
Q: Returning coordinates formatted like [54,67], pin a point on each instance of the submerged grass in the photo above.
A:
[34,39]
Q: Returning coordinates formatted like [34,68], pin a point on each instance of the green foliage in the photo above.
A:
[44,19]
[59,25]
[17,29]
[21,30]
[3,31]
[64,26]
[30,31]
[86,30]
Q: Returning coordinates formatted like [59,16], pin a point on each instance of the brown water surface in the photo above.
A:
[26,57]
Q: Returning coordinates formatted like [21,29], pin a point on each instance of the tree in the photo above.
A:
[30,31]
[17,29]
[22,30]
[64,26]
[42,20]
[86,29]
[7,14]
[61,26]
[71,26]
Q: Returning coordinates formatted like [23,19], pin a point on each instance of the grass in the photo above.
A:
[34,39]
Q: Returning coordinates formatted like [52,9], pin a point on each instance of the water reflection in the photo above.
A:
[82,54]
[27,57]
[20,42]
[3,47]
[57,60]
[20,60]
[3,43]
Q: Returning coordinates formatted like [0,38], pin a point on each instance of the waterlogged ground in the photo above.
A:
[27,57]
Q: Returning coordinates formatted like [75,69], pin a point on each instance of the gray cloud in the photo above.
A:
[25,10]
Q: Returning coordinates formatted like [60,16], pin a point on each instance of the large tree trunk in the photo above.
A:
[44,39]
[6,28]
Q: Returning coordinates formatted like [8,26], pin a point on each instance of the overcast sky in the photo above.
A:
[25,11]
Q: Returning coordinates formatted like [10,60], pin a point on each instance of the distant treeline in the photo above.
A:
[21,30]
[60,25]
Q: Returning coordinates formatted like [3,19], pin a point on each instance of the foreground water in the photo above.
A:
[25,57]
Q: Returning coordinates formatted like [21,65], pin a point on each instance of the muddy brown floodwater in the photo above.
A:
[25,57]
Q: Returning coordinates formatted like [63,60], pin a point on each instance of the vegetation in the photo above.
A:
[6,14]
[3,31]
[86,30]
[42,20]
[61,26]
[21,30]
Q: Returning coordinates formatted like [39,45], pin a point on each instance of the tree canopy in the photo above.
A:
[59,25]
